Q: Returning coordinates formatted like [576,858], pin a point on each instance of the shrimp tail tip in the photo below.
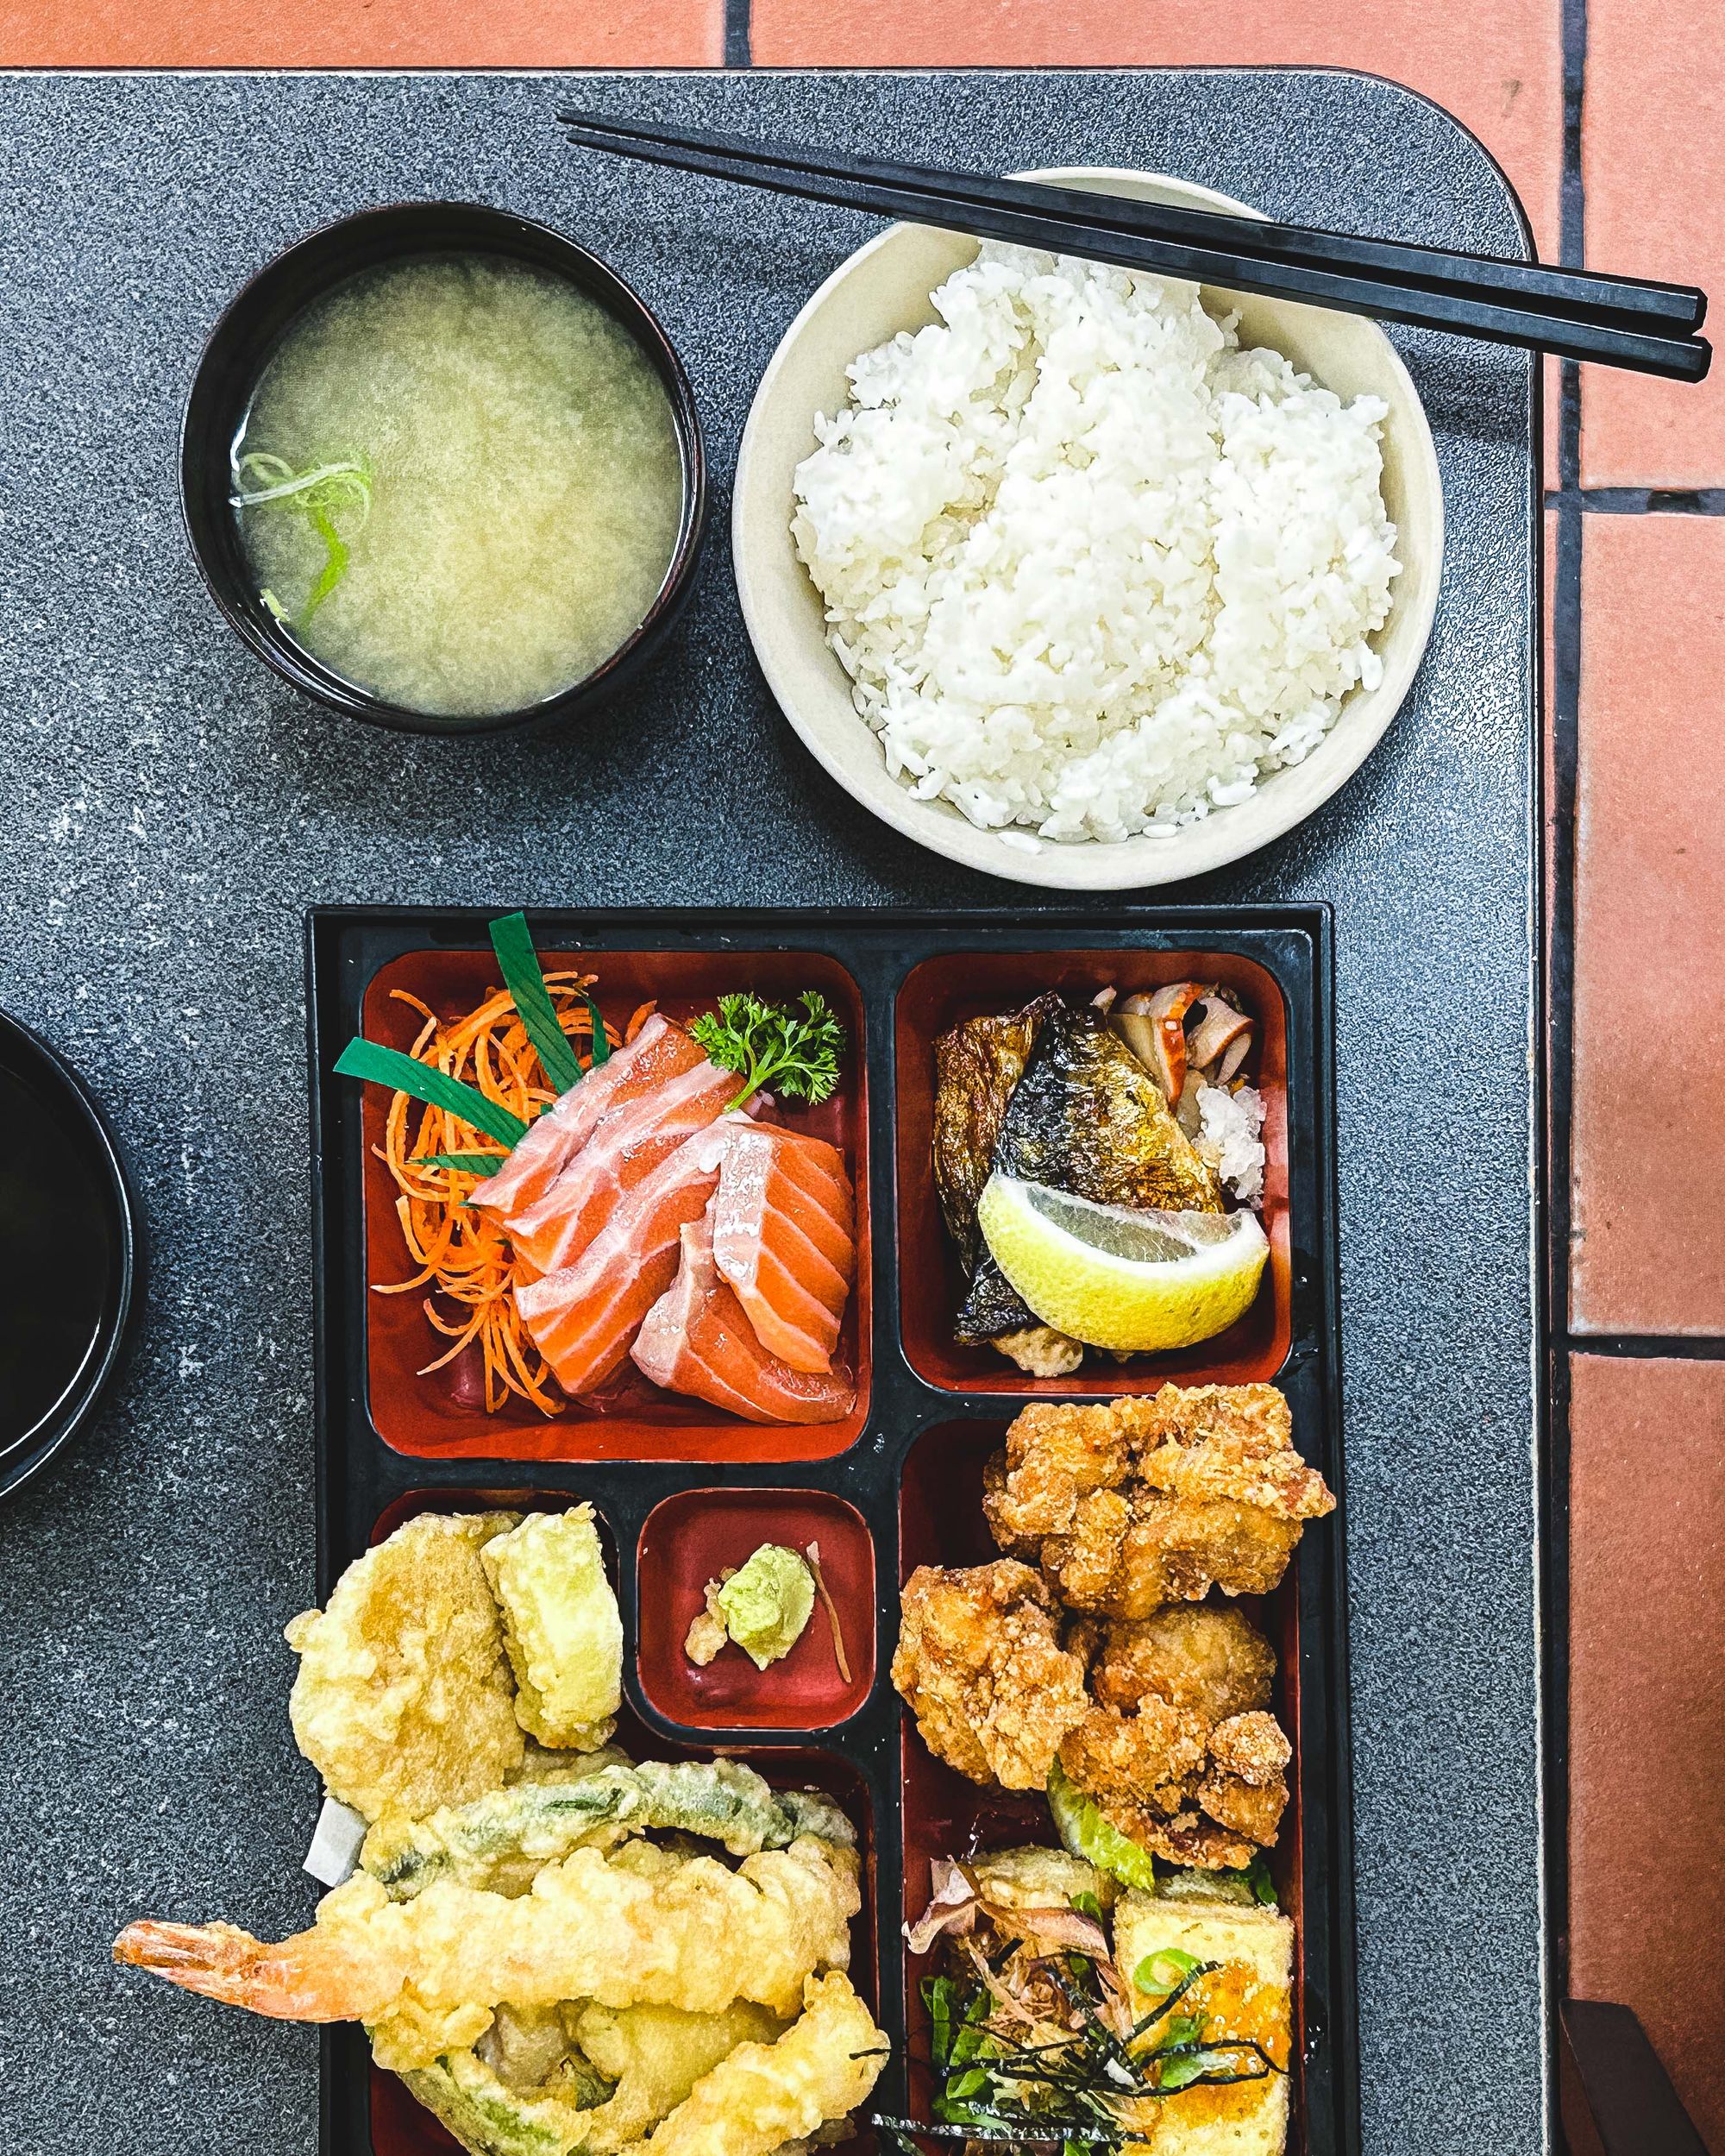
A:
[182,1952]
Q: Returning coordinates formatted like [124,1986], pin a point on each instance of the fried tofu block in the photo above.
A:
[562,1628]
[1247,1995]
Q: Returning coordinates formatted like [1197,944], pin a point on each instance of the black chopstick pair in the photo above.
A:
[1576,314]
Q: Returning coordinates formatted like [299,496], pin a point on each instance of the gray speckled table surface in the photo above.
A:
[170,811]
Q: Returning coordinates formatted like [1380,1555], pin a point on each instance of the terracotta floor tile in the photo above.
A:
[1497,69]
[371,34]
[1649,1249]
[1652,165]
[1647,1902]
[1550,414]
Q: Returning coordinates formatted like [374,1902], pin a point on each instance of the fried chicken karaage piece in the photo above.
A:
[1143,1502]
[1197,1794]
[1179,1753]
[1246,1787]
[1215,1662]
[980,1665]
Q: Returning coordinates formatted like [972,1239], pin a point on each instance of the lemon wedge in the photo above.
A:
[1117,1278]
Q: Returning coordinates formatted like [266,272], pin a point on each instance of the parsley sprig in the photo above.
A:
[795,1051]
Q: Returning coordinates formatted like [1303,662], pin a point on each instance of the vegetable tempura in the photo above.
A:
[403,1700]
[562,1628]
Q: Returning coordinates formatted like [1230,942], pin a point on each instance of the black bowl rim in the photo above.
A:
[298,667]
[20,1045]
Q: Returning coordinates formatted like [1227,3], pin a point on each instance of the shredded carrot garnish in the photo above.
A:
[464,1256]
[813,1553]
[638,1019]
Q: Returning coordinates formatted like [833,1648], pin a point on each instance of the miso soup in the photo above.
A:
[458,484]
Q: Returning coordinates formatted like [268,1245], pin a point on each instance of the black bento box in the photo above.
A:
[680,1488]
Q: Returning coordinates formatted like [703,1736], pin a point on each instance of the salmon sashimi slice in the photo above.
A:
[784,1223]
[583,1317]
[660,1051]
[697,1340]
[622,1150]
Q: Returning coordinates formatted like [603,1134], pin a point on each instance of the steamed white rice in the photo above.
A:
[1230,1137]
[1093,568]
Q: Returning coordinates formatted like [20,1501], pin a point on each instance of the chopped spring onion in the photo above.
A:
[1165,1970]
[317,493]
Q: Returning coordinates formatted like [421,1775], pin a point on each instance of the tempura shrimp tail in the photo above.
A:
[224,1963]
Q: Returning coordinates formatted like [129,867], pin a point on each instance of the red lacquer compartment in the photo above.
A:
[399,2126]
[942,992]
[501,1499]
[691,1538]
[442,1415]
[943,1813]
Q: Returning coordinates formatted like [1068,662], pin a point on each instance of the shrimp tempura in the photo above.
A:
[690,1934]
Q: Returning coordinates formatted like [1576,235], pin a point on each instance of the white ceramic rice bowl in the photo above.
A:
[885,287]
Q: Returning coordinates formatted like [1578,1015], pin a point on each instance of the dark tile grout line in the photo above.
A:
[1638,501]
[1652,1347]
[1559,1018]
[737,40]
[1571,504]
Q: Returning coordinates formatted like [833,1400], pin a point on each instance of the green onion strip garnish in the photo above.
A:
[406,1074]
[525,981]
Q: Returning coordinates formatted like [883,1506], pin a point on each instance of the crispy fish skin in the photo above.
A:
[993,1310]
[625,1929]
[403,1700]
[976,1065]
[1088,1117]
